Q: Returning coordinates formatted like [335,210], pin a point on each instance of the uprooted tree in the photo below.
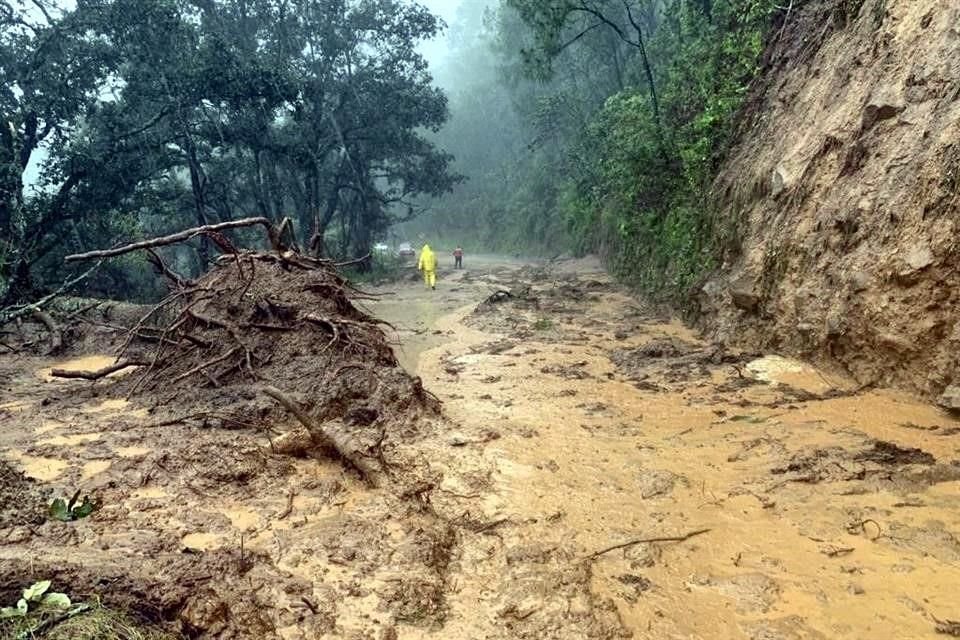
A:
[272,324]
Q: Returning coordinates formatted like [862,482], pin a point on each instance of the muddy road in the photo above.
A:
[600,472]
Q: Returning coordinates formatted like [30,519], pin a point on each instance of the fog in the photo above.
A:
[437,50]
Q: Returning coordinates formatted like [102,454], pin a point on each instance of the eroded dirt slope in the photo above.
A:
[844,185]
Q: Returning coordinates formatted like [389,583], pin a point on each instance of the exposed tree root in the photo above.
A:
[348,448]
[56,335]
[279,320]
[99,373]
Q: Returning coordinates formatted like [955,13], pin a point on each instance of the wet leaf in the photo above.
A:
[57,600]
[34,591]
[10,612]
[58,510]
[22,606]
[84,509]
[69,511]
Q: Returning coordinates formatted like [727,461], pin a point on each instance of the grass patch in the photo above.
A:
[93,623]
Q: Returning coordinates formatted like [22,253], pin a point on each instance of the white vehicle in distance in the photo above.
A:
[405,250]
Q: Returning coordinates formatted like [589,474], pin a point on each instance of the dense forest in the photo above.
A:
[126,117]
[585,126]
[598,126]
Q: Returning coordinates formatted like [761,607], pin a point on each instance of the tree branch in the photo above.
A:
[99,373]
[624,545]
[578,36]
[10,314]
[174,238]
[346,446]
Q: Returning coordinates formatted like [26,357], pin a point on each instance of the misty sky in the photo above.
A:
[436,50]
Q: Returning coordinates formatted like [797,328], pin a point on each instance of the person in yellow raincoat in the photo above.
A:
[428,264]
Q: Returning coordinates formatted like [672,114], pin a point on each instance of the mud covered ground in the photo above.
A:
[599,472]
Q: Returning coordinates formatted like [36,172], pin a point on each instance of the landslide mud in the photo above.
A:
[840,192]
[786,501]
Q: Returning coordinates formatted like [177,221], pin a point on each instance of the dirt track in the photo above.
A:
[582,421]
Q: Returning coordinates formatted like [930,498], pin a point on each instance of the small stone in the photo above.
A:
[744,297]
[859,281]
[778,181]
[458,440]
[950,398]
[919,257]
[912,263]
[856,589]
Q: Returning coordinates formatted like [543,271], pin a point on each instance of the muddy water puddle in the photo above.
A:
[39,468]
[201,541]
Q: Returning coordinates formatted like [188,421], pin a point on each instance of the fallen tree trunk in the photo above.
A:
[180,236]
[348,448]
[99,373]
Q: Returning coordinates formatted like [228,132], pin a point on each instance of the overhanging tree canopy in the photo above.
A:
[158,113]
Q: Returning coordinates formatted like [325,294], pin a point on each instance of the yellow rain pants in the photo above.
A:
[428,264]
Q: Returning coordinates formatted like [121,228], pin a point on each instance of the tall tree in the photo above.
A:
[50,76]
[165,112]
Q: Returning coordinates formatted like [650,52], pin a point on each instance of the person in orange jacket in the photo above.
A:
[458,257]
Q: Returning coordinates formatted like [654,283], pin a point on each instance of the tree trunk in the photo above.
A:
[196,184]
[258,187]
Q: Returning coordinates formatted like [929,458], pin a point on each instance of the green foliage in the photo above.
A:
[53,616]
[382,267]
[625,110]
[69,510]
[145,116]
[35,597]
[645,212]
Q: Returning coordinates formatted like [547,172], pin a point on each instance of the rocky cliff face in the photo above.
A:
[843,187]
